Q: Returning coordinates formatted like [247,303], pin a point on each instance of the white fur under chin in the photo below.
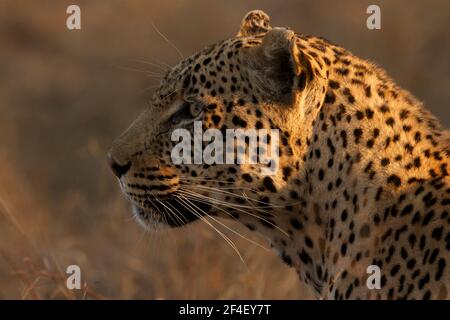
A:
[149,220]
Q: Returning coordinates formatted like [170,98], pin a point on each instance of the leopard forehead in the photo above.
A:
[215,72]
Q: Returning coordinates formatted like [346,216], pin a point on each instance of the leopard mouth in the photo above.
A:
[169,211]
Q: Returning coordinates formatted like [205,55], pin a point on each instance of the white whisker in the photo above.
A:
[167,40]
[226,204]
[187,204]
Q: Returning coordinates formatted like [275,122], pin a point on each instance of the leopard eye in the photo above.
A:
[188,112]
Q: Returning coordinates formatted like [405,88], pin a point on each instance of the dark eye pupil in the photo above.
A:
[182,114]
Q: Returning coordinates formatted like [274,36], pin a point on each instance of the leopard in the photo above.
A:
[362,182]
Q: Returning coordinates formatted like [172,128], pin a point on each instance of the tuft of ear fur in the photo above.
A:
[285,73]
[255,22]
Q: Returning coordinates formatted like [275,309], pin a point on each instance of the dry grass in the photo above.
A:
[118,260]
[65,95]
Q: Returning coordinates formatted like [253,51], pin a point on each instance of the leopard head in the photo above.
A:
[259,80]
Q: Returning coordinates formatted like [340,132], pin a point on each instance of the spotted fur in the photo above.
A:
[363,177]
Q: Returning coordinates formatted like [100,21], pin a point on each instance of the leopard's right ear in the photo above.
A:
[255,22]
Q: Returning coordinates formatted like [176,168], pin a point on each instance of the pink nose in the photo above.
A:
[117,169]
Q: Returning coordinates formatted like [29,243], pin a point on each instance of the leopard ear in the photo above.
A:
[284,72]
[274,64]
[255,22]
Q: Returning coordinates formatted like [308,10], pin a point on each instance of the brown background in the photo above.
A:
[64,95]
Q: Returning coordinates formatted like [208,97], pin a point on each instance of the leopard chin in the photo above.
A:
[168,212]
[148,219]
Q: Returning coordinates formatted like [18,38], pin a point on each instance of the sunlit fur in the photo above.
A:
[363,175]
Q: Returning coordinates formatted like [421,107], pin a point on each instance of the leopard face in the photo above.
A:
[247,82]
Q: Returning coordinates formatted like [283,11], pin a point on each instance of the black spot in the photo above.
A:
[378,194]
[342,71]
[441,267]
[330,97]
[232,170]
[394,179]
[417,162]
[287,259]
[383,280]
[344,249]
[293,194]
[427,295]
[344,138]
[427,218]
[296,224]
[424,281]
[417,136]
[206,61]
[376,132]
[349,291]
[357,133]
[216,119]
[250,226]
[344,215]
[407,210]
[390,121]
[359,115]
[433,256]
[321,174]
[317,152]
[410,264]
[437,233]
[331,146]
[304,256]
[268,183]
[395,269]
[369,113]
[239,122]
[384,108]
[308,242]
[404,114]
[333,84]
[287,172]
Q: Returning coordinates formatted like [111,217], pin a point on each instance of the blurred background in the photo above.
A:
[65,95]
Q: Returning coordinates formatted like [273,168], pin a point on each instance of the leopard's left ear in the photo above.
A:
[255,22]
[285,73]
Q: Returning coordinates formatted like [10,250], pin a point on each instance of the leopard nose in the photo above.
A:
[118,169]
